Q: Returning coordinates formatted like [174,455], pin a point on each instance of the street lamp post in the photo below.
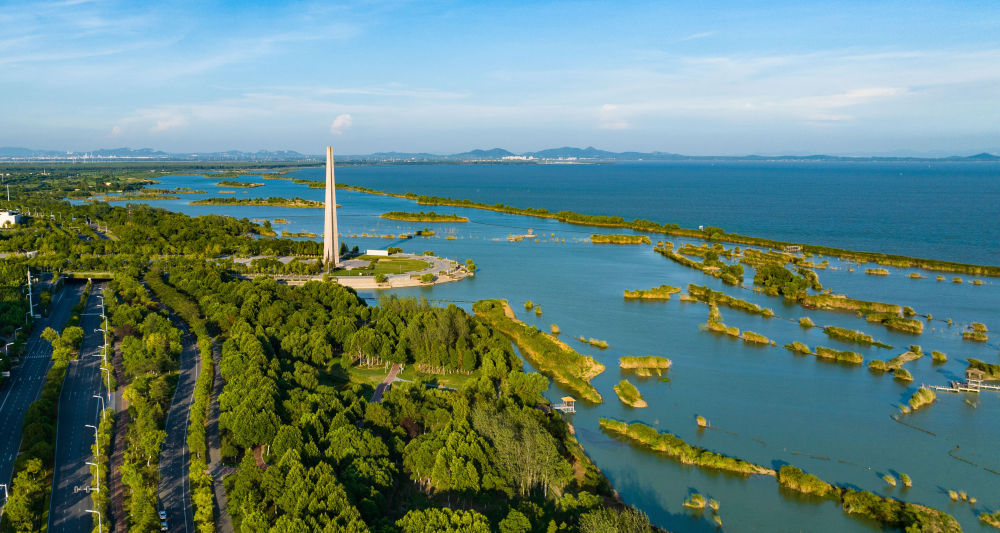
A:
[6,348]
[103,405]
[108,370]
[100,528]
[95,434]
[98,476]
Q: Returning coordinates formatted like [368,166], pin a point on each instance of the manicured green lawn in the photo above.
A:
[386,265]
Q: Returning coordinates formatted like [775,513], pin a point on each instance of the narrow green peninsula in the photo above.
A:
[548,354]
[429,216]
[662,292]
[674,447]
[266,202]
[599,238]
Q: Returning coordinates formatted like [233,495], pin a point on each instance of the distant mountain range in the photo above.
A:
[564,154]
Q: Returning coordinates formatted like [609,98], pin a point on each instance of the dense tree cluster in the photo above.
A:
[150,347]
[315,455]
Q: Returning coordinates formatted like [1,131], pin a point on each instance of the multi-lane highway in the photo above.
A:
[78,408]
[25,383]
[174,486]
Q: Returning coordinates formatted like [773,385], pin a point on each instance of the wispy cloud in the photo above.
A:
[341,124]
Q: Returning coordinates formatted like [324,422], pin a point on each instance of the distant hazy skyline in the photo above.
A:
[720,78]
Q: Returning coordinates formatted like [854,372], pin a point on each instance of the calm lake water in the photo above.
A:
[764,404]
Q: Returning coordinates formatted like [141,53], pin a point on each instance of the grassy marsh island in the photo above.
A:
[895,363]
[799,348]
[916,275]
[992,520]
[896,322]
[707,233]
[730,274]
[274,201]
[548,354]
[280,221]
[599,238]
[876,272]
[307,234]
[939,357]
[902,374]
[662,292]
[593,342]
[239,184]
[839,302]
[846,357]
[695,501]
[429,216]
[644,366]
[806,322]
[629,395]
[716,325]
[976,332]
[886,511]
[750,337]
[709,296]
[921,398]
[857,337]
[674,447]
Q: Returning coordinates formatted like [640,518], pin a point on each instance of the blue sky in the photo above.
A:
[693,77]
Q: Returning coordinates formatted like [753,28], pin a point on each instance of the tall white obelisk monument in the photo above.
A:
[331,240]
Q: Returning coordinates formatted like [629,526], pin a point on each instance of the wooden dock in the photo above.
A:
[959,386]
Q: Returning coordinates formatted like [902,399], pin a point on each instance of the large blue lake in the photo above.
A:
[764,404]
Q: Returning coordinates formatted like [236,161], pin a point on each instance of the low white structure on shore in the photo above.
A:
[382,253]
[9,218]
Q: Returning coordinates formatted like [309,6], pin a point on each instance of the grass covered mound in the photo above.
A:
[707,295]
[846,357]
[644,366]
[674,447]
[886,511]
[921,398]
[597,343]
[629,395]
[750,337]
[897,362]
[835,302]
[548,354]
[799,347]
[716,325]
[599,238]
[662,292]
[858,337]
[429,216]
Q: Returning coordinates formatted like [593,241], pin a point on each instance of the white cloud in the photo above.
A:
[168,123]
[116,131]
[611,118]
[341,123]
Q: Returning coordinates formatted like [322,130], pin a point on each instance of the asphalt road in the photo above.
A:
[174,486]
[77,408]
[25,383]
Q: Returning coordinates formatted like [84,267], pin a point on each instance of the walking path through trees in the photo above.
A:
[384,386]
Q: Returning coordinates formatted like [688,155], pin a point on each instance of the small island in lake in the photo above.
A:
[644,366]
[629,395]
[239,184]
[429,216]
[598,238]
[273,201]
[662,292]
